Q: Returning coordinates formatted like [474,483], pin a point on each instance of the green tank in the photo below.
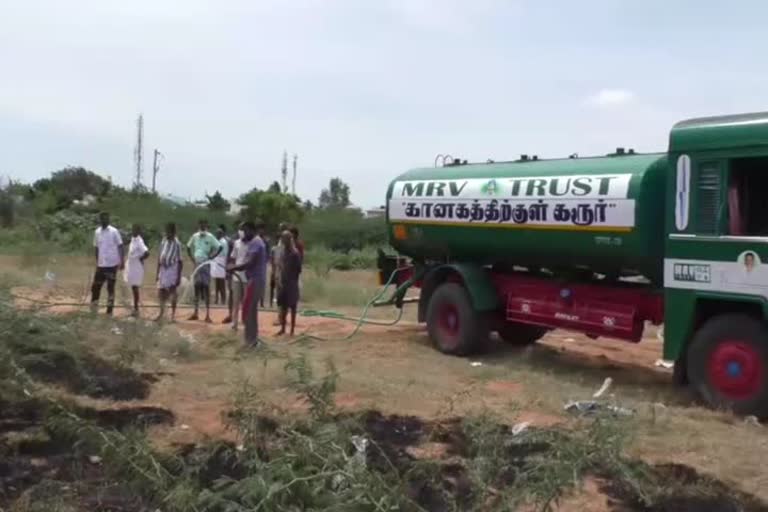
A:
[602,214]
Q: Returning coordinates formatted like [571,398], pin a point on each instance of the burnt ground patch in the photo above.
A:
[33,467]
[679,488]
[683,489]
[84,373]
[37,463]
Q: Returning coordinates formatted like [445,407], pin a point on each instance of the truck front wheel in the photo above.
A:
[453,324]
[727,363]
[520,334]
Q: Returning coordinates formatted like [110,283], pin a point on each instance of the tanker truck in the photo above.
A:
[603,246]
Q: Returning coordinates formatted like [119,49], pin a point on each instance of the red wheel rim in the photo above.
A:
[448,325]
[736,369]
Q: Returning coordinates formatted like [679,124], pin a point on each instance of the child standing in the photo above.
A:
[134,269]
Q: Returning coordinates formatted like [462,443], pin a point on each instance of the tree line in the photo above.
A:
[52,203]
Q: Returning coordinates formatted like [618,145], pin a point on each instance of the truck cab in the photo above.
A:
[716,259]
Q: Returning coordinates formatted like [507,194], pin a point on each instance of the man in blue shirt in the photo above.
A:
[255,273]
[203,248]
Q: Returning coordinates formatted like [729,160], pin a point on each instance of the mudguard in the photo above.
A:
[475,279]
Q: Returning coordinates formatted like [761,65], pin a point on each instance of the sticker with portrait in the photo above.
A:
[750,271]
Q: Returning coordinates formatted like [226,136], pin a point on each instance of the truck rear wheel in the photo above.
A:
[453,324]
[520,334]
[727,364]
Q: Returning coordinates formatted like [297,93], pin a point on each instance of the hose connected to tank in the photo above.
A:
[359,320]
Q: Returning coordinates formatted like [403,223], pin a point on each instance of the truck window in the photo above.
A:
[747,204]
[709,197]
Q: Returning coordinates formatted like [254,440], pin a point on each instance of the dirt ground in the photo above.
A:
[395,370]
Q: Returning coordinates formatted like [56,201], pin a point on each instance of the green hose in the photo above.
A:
[359,321]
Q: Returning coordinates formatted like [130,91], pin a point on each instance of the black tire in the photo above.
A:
[727,364]
[453,324]
[521,334]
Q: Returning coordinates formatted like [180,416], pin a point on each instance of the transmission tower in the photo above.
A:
[138,154]
[284,171]
[293,179]
[156,169]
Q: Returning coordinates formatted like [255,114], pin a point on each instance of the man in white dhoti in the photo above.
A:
[134,268]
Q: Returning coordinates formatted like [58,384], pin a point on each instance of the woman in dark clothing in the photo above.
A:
[288,296]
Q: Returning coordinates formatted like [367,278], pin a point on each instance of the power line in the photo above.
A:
[293,179]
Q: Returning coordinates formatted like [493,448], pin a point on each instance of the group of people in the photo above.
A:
[238,267]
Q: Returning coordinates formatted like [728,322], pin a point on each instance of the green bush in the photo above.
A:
[322,259]
[7,209]
[153,213]
[343,230]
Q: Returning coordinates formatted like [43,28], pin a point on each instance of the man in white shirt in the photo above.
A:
[109,259]
[238,256]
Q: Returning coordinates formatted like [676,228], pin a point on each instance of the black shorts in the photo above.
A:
[108,274]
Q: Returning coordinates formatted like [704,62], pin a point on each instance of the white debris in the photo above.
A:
[361,447]
[240,447]
[116,331]
[475,364]
[356,463]
[519,428]
[661,363]
[188,336]
[606,384]
[569,340]
[592,406]
[752,420]
[184,426]
[94,459]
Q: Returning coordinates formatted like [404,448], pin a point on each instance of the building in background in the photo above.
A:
[375,212]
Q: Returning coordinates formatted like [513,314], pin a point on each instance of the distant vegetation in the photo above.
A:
[63,210]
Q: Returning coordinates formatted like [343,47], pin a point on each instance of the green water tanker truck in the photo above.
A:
[603,246]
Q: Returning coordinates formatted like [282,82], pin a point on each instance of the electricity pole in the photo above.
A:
[293,180]
[138,154]
[156,169]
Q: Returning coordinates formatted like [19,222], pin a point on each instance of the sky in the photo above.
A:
[359,89]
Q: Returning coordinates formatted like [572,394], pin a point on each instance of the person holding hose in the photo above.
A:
[237,289]
[255,272]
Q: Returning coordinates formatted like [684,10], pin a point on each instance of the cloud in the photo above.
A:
[608,98]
